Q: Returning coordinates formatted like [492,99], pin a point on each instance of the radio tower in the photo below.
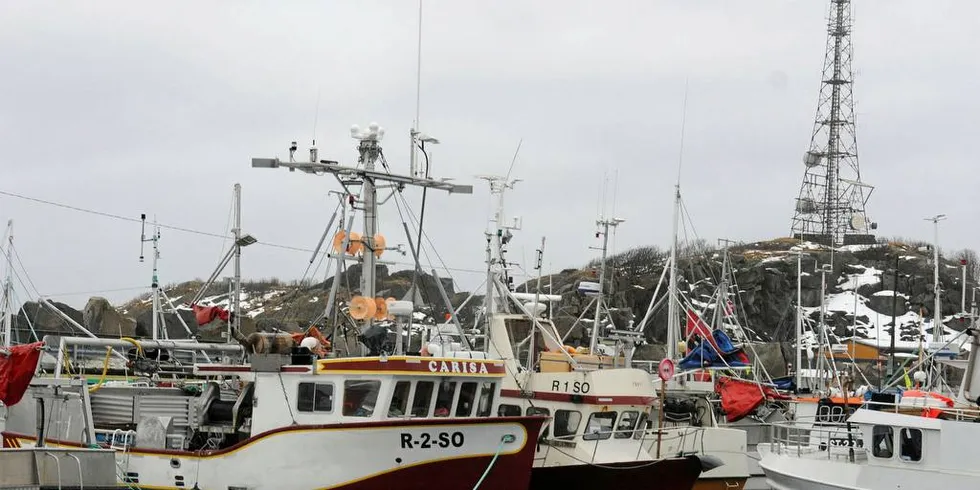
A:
[831,205]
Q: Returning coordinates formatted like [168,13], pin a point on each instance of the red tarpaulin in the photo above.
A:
[739,397]
[207,314]
[16,371]
[313,332]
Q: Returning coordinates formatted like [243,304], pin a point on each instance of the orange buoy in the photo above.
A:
[362,308]
[338,240]
[355,246]
[381,309]
[379,245]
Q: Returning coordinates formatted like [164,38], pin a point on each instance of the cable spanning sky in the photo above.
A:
[127,108]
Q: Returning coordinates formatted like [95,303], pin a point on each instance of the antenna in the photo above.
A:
[314,154]
[142,234]
[513,160]
[418,71]
[414,132]
[831,206]
[316,115]
[680,155]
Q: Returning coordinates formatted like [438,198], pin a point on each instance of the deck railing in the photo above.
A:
[829,442]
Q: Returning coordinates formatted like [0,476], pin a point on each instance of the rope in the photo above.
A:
[66,361]
[139,348]
[597,465]
[105,370]
[508,438]
[286,397]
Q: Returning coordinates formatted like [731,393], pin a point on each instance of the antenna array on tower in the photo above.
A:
[830,208]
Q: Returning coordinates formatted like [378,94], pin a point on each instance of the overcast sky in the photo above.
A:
[133,107]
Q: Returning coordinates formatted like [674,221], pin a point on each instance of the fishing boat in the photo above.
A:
[600,407]
[287,418]
[882,446]
[360,422]
[707,395]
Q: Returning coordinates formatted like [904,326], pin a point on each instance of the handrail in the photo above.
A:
[836,442]
[81,479]
[57,464]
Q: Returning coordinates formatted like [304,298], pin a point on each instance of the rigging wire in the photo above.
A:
[231,212]
[135,220]
[81,293]
[19,261]
[203,233]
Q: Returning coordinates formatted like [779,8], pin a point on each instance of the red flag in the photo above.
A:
[17,370]
[695,325]
[729,308]
[206,314]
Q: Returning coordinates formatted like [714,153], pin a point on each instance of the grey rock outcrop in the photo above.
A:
[100,317]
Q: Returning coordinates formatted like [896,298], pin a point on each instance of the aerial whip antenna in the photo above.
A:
[316,115]
[514,159]
[142,234]
[680,156]
[414,132]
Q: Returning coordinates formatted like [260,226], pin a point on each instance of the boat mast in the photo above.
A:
[534,307]
[799,318]
[721,308]
[8,289]
[673,323]
[600,302]
[937,313]
[824,348]
[236,321]
[937,319]
[497,237]
[155,281]
[369,149]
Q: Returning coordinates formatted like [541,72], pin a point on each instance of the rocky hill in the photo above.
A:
[266,306]
[860,291]
[859,286]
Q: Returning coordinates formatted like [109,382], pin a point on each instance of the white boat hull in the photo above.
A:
[820,471]
[404,454]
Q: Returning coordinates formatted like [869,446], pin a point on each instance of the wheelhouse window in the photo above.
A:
[485,407]
[444,400]
[509,411]
[423,398]
[399,399]
[467,393]
[546,428]
[360,397]
[315,397]
[567,422]
[641,427]
[882,441]
[600,426]
[627,422]
[910,447]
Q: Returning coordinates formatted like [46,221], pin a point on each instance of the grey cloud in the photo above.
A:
[131,108]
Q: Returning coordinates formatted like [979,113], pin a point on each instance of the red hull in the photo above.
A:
[511,472]
[666,474]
